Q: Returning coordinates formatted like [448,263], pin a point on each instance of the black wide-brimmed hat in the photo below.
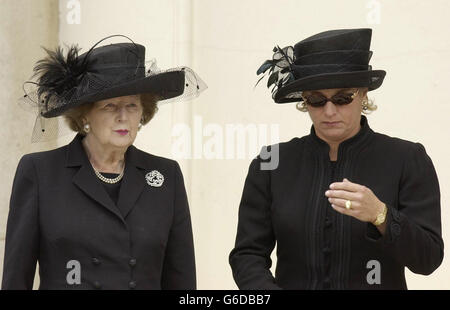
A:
[114,70]
[331,59]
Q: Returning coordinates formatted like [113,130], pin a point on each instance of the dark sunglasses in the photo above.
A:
[319,100]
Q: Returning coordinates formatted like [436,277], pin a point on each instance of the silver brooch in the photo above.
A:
[154,178]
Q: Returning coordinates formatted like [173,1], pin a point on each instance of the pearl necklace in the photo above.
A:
[109,180]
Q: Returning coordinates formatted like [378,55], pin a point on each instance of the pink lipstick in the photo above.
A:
[121,132]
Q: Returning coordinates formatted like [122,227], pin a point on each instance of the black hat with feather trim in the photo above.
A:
[114,70]
[330,59]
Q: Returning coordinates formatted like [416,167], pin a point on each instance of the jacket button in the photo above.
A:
[326,250]
[327,283]
[97,285]
[132,284]
[95,261]
[132,262]
[328,223]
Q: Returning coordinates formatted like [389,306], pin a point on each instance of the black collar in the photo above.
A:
[363,134]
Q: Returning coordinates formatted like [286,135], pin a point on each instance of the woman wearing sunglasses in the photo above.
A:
[348,208]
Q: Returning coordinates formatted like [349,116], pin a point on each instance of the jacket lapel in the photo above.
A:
[131,188]
[88,182]
[85,177]
[133,181]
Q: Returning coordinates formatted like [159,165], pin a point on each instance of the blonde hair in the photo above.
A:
[74,117]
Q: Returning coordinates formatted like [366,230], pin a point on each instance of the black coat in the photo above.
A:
[60,211]
[319,248]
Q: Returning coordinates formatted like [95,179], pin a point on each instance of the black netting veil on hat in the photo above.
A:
[114,70]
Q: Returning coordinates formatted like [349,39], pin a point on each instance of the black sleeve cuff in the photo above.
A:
[393,228]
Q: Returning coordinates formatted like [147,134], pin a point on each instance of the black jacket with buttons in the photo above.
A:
[60,213]
[319,248]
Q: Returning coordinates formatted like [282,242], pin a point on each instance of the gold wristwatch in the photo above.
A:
[381,217]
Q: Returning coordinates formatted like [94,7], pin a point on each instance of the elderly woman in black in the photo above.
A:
[99,213]
[348,208]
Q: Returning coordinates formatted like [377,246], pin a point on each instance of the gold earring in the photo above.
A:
[364,104]
[86,128]
[301,106]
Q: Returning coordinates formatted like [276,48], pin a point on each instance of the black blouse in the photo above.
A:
[113,189]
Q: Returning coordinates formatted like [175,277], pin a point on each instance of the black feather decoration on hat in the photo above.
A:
[56,74]
[279,67]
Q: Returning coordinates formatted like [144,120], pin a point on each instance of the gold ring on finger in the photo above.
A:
[348,204]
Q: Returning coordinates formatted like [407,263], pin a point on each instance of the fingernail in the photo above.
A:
[327,193]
